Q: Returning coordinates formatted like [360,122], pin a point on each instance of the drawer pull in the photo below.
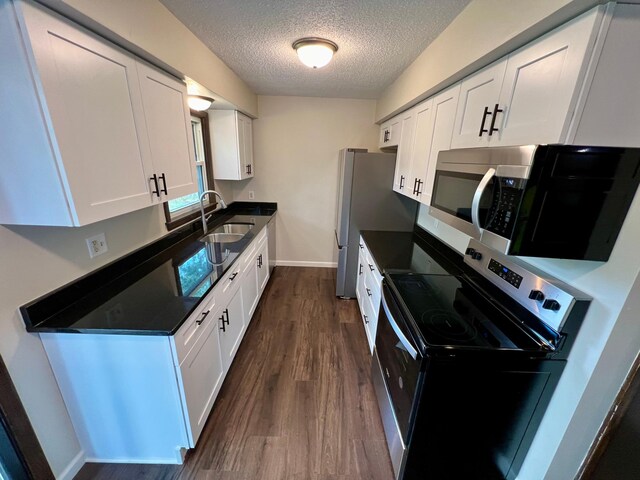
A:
[371,267]
[204,315]
[368,291]
[365,318]
[233,276]
[360,270]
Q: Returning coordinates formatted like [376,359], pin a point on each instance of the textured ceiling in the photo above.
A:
[377,40]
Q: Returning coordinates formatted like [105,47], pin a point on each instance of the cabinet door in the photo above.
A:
[202,373]
[395,125]
[478,96]
[95,109]
[542,83]
[421,147]
[250,289]
[247,167]
[169,130]
[402,181]
[441,126]
[231,325]
[263,266]
[241,133]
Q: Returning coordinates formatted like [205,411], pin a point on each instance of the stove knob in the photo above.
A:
[476,256]
[470,251]
[551,305]
[536,295]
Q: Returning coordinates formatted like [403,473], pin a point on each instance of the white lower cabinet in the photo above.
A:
[202,373]
[263,265]
[146,398]
[232,328]
[368,293]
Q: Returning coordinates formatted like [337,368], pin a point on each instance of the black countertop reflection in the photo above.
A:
[417,252]
[150,291]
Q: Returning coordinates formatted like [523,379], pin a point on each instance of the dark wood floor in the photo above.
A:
[298,402]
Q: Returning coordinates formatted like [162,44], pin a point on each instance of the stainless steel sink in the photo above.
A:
[221,237]
[234,228]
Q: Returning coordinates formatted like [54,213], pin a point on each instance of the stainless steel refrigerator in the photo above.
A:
[366,201]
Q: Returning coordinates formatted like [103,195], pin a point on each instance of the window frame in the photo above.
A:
[177,221]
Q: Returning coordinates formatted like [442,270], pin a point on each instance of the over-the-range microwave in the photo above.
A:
[557,201]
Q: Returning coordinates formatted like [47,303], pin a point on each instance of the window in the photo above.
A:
[184,209]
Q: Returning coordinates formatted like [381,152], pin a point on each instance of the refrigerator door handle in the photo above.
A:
[340,247]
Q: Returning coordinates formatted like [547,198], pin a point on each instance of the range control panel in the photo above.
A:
[548,298]
[505,273]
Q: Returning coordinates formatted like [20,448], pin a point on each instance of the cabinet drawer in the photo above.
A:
[372,290]
[191,330]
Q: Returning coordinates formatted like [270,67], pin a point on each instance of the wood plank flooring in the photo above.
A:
[297,403]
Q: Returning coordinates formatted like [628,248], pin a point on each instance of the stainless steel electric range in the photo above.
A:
[465,365]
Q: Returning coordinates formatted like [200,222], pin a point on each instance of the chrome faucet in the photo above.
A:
[204,218]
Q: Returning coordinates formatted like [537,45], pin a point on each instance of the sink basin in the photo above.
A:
[219,237]
[234,228]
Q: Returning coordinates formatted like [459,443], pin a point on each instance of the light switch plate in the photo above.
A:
[97,245]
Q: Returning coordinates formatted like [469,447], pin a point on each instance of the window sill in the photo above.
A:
[186,217]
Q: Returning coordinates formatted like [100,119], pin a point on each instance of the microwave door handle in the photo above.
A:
[475,204]
[404,340]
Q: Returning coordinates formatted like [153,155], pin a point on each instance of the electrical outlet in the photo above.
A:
[97,245]
[251,195]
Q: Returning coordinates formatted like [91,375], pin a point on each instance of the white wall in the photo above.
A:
[483,32]
[296,142]
[608,341]
[35,261]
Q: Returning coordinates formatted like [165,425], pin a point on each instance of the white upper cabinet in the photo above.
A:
[440,132]
[76,131]
[530,96]
[423,113]
[390,132]
[169,129]
[478,95]
[402,177]
[232,138]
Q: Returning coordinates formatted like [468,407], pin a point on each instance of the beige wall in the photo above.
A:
[151,30]
[483,32]
[35,261]
[296,142]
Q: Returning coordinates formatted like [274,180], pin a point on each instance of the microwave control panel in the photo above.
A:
[507,194]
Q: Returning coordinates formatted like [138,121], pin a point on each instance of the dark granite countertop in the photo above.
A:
[152,290]
[417,252]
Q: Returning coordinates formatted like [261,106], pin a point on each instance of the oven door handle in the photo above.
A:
[475,204]
[403,339]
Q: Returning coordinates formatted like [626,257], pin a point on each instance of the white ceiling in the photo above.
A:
[377,40]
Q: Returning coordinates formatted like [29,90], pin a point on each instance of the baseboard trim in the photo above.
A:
[73,468]
[298,263]
[145,460]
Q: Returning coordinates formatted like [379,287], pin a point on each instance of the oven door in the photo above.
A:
[400,360]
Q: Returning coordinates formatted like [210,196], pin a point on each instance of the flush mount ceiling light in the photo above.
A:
[199,103]
[315,52]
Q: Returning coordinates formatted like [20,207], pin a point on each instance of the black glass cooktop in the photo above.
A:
[449,312]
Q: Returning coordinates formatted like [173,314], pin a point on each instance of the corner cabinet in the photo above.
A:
[232,139]
[85,125]
[146,398]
